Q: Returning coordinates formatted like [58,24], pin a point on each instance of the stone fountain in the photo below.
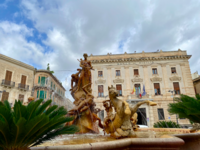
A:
[120,125]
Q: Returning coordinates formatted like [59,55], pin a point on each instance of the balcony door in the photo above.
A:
[42,81]
[23,81]
[8,77]
[5,96]
[41,94]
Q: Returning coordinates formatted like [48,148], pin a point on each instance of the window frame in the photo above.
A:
[117,73]
[100,73]
[100,94]
[137,72]
[119,90]
[153,71]
[177,90]
[174,69]
[160,112]
[156,89]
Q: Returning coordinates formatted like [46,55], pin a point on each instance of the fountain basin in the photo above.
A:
[169,143]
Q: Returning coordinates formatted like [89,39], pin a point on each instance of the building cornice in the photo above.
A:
[54,77]
[196,79]
[16,62]
[133,59]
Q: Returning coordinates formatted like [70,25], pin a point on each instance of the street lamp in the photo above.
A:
[173,91]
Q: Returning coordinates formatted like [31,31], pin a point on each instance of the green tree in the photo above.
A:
[186,107]
[166,124]
[25,126]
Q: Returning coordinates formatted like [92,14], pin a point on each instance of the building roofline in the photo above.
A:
[138,53]
[55,78]
[196,79]
[14,61]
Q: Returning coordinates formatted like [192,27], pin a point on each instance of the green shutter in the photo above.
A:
[37,94]
[41,94]
[39,79]
[45,94]
[54,86]
[50,96]
[43,81]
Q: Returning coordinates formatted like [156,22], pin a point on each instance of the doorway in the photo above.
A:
[142,118]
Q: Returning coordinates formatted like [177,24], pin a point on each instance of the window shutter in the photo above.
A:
[39,79]
[100,88]
[5,96]
[45,94]
[176,85]
[8,75]
[37,94]
[118,87]
[23,80]
[136,72]
[156,85]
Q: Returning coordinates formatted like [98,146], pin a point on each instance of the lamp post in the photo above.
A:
[173,91]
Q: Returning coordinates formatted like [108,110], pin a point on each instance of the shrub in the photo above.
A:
[27,126]
[186,107]
[166,124]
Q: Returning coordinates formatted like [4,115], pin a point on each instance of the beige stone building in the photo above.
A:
[16,80]
[196,82]
[159,72]
[47,86]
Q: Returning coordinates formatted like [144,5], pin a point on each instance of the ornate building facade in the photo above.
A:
[47,86]
[16,80]
[163,75]
[196,82]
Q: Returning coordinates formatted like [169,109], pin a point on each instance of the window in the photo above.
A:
[117,72]
[136,72]
[21,98]
[37,94]
[23,81]
[100,73]
[39,80]
[100,90]
[176,88]
[137,89]
[41,94]
[119,89]
[161,115]
[157,88]
[173,70]
[154,70]
[8,78]
[101,115]
[42,81]
[5,96]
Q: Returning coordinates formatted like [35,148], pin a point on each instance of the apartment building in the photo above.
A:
[16,80]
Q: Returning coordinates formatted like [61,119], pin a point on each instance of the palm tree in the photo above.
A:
[186,107]
[25,126]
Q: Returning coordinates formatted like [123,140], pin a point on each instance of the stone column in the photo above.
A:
[147,80]
[165,79]
[127,81]
[151,117]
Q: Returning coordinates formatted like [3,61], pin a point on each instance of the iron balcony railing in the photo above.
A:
[23,86]
[7,83]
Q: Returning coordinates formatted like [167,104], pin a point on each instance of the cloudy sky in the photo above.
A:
[58,32]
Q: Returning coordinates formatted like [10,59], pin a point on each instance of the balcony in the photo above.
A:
[23,87]
[7,83]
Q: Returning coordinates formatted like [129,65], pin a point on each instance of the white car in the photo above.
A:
[142,126]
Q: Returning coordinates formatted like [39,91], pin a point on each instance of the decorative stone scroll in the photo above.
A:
[118,81]
[100,81]
[154,79]
[137,79]
[175,78]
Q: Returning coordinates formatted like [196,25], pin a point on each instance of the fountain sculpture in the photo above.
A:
[117,124]
[84,112]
